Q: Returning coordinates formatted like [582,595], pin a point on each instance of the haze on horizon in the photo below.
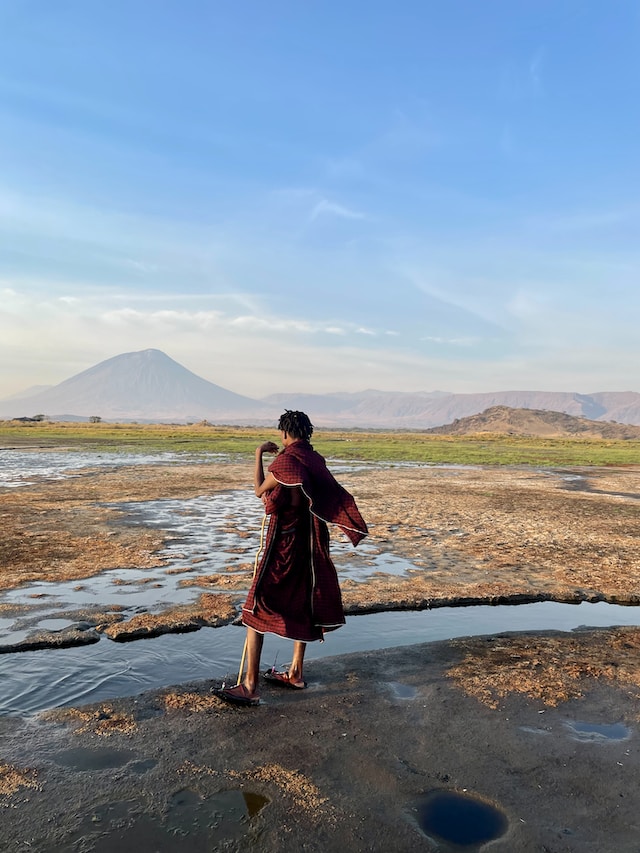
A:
[290,197]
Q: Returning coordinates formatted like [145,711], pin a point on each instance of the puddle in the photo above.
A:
[10,639]
[401,691]
[62,634]
[193,824]
[581,483]
[254,802]
[24,467]
[532,730]
[100,758]
[459,820]
[598,732]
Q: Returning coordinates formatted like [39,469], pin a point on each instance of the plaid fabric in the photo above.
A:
[300,465]
[295,592]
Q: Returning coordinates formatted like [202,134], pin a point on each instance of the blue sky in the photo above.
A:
[323,196]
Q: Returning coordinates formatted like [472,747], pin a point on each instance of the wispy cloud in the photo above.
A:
[324,207]
[473,298]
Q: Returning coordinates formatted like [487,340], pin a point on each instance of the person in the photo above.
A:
[295,591]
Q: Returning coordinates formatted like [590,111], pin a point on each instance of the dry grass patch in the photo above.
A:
[495,530]
[305,796]
[103,721]
[12,779]
[550,669]
[193,703]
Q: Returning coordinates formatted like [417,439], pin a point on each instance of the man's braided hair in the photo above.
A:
[296,424]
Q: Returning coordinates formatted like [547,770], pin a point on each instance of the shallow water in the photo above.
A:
[206,535]
[34,681]
[24,467]
[598,732]
[460,819]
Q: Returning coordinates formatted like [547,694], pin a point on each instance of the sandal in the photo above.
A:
[282,678]
[239,695]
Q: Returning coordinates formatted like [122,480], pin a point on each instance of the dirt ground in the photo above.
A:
[543,727]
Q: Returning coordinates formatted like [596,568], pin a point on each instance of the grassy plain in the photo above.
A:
[370,446]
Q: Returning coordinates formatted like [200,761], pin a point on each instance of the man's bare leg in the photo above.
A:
[254,651]
[246,693]
[295,669]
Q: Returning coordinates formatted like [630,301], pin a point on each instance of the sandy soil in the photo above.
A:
[544,727]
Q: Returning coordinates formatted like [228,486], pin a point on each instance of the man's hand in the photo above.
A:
[268,447]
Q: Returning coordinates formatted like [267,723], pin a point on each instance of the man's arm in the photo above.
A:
[261,483]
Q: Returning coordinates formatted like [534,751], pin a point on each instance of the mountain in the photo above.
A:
[367,407]
[422,410]
[146,385]
[151,386]
[502,420]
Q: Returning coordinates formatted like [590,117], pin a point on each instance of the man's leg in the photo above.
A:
[246,693]
[254,650]
[295,670]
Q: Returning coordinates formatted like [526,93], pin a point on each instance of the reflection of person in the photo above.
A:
[295,591]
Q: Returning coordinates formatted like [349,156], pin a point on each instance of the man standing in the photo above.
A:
[295,591]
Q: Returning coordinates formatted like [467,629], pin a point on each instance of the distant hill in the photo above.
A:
[535,422]
[422,410]
[150,386]
[146,385]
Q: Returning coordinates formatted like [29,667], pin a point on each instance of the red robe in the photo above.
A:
[295,591]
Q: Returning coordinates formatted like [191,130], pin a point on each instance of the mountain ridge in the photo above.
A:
[149,386]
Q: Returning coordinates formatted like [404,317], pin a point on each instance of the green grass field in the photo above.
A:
[371,446]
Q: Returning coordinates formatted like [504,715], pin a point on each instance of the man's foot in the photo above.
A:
[284,680]
[239,695]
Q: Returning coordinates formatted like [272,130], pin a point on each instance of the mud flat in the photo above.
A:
[468,534]
[541,729]
[547,738]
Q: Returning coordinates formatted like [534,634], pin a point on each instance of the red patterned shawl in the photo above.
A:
[300,465]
